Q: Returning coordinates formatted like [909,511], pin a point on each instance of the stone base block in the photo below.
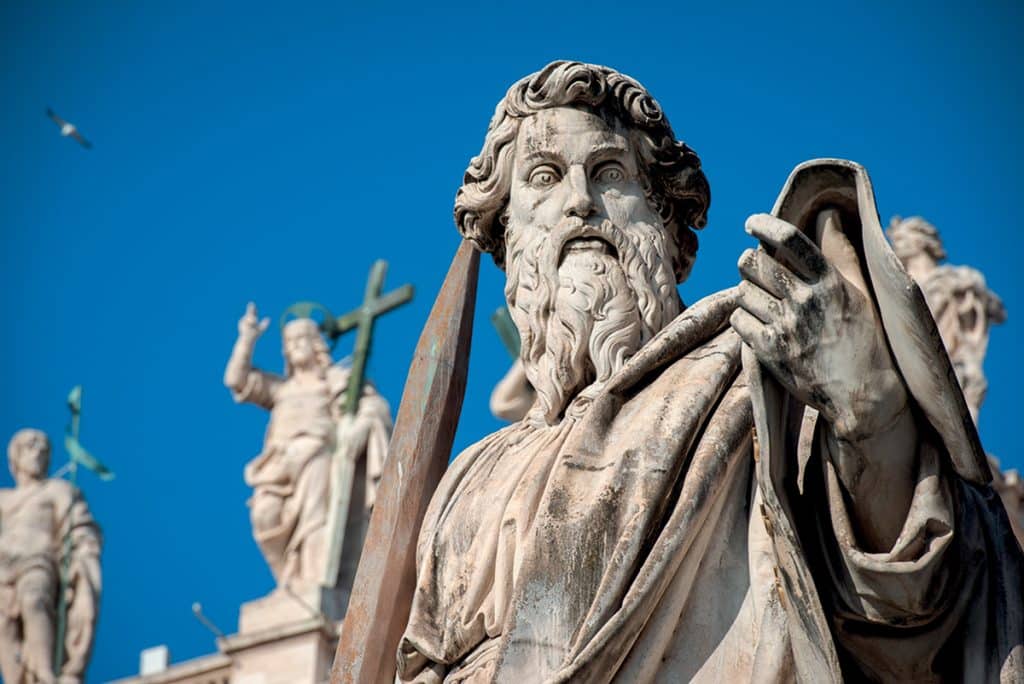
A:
[296,653]
[283,606]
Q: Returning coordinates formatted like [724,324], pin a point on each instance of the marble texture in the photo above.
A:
[780,482]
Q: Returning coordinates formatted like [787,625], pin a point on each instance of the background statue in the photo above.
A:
[292,476]
[513,396]
[45,528]
[963,306]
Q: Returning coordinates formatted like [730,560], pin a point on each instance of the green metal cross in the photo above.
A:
[77,455]
[501,319]
[363,320]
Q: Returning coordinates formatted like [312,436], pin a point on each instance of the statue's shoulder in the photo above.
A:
[337,378]
[60,491]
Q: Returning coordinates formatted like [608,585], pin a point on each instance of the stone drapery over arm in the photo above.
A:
[945,599]
[943,602]
[373,419]
[84,584]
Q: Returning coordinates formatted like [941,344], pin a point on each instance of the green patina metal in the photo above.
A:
[501,319]
[306,309]
[77,456]
[362,320]
[333,327]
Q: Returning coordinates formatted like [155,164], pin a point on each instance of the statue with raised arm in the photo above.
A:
[46,529]
[291,478]
[779,482]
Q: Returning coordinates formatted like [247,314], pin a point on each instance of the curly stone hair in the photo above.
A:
[917,234]
[676,186]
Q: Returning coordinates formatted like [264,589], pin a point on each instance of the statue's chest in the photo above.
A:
[305,400]
[27,523]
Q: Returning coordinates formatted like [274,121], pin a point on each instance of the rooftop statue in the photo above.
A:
[964,307]
[292,476]
[46,530]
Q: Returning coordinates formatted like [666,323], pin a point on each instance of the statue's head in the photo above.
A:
[303,346]
[583,195]
[28,455]
[915,238]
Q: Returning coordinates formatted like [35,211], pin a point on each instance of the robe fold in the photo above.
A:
[655,535]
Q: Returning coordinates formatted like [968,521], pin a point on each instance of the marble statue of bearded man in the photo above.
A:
[291,477]
[634,526]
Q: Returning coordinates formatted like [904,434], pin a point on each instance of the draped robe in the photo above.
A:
[654,535]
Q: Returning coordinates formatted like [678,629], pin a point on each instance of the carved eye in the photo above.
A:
[610,173]
[543,177]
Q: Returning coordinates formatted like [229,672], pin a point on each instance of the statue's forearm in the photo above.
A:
[878,473]
[240,363]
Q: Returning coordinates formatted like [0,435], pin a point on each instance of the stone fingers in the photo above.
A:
[802,255]
[758,302]
[761,269]
[770,347]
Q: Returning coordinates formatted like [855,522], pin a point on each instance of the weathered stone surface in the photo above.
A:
[627,528]
[45,528]
[425,429]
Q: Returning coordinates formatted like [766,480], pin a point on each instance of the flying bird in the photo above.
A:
[67,129]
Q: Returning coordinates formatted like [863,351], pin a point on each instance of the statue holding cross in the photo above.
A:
[329,429]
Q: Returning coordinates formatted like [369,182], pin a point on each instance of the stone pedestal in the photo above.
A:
[286,637]
[285,606]
[285,654]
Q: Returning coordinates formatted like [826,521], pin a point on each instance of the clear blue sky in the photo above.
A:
[272,154]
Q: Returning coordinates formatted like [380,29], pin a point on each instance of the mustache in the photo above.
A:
[573,228]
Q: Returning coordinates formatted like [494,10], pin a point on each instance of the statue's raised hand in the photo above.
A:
[250,326]
[814,330]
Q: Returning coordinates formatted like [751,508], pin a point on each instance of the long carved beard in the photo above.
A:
[582,314]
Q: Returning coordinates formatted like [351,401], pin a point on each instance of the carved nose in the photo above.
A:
[579,202]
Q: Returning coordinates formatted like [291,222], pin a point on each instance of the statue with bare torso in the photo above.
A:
[45,529]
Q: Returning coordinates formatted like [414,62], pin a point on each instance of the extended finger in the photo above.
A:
[250,309]
[762,305]
[264,324]
[766,272]
[804,256]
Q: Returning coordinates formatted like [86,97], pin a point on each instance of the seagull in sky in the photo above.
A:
[67,129]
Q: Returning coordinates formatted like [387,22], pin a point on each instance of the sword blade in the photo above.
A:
[417,458]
